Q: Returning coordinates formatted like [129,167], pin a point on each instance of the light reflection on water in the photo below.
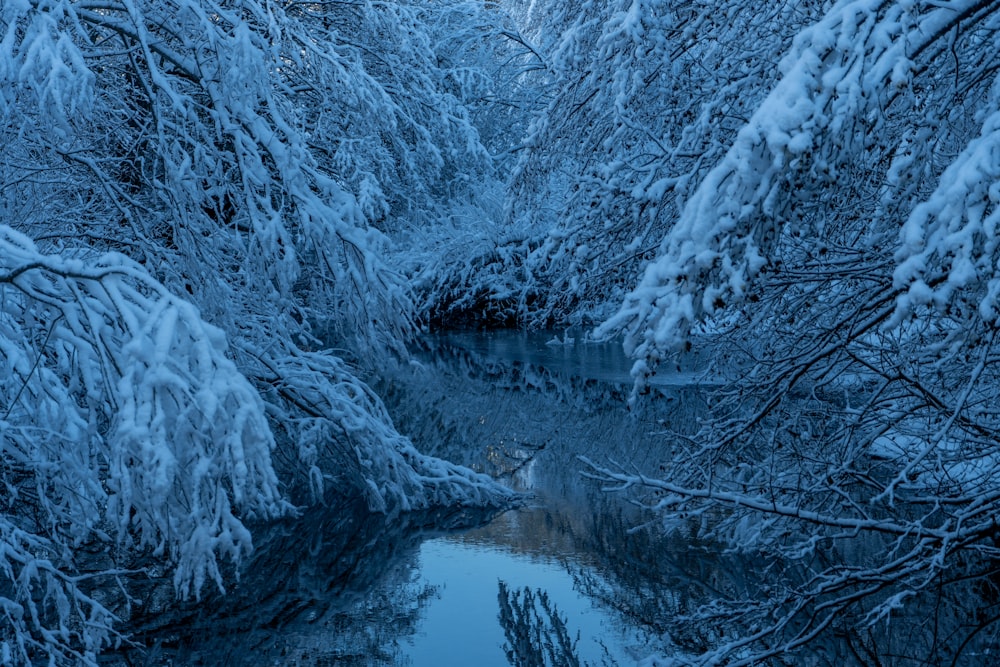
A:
[462,626]
[510,405]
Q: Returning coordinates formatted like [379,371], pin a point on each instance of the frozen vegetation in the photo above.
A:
[208,189]
[223,221]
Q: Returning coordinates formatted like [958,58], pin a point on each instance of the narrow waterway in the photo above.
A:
[564,580]
[566,571]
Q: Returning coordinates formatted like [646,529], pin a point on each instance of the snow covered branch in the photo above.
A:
[125,423]
[834,99]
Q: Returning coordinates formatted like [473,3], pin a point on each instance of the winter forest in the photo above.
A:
[224,222]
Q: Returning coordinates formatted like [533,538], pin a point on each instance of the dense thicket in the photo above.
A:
[634,102]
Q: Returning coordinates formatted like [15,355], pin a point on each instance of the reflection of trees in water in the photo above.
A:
[648,579]
[333,587]
[696,595]
[536,632]
[682,584]
[500,418]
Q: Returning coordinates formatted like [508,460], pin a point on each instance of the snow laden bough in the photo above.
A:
[125,429]
[122,422]
[838,84]
[336,436]
[224,188]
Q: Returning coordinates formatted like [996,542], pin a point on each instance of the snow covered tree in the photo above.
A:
[841,258]
[495,70]
[218,144]
[635,101]
[193,172]
[125,424]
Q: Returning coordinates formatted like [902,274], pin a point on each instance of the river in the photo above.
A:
[562,581]
[577,576]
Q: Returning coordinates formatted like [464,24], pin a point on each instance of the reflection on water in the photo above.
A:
[580,587]
[493,603]
[337,586]
[565,581]
[559,582]
[523,410]
[571,355]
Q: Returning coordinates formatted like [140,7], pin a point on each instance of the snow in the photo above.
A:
[721,240]
[954,230]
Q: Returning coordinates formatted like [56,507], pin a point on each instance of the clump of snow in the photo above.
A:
[950,239]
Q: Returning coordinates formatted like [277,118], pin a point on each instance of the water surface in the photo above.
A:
[562,581]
